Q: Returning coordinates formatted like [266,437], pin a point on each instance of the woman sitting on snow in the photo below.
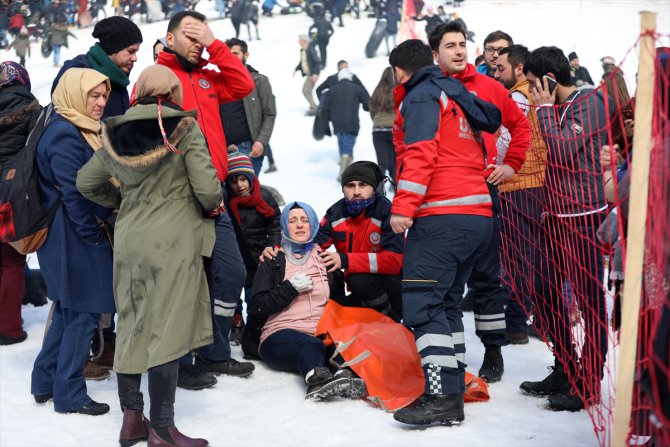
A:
[290,293]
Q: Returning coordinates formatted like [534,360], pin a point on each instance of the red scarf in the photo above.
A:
[253,200]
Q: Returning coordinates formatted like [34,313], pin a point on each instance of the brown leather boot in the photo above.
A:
[135,428]
[94,372]
[106,359]
[177,439]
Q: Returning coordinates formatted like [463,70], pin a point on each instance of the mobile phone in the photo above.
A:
[551,82]
[628,114]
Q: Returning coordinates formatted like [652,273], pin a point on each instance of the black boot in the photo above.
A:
[192,378]
[493,367]
[572,401]
[230,367]
[322,385]
[357,388]
[445,409]
[555,383]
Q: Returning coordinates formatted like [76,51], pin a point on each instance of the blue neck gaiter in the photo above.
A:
[357,206]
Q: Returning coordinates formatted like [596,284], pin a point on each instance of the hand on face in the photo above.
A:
[540,94]
[199,32]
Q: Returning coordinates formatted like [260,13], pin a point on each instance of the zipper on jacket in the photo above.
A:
[351,242]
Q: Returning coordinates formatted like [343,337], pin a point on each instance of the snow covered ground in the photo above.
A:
[269,408]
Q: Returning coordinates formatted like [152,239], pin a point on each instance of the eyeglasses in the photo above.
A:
[492,50]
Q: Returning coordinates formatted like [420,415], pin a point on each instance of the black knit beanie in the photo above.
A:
[364,171]
[116,33]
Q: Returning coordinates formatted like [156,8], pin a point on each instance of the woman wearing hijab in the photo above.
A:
[76,259]
[159,156]
[290,293]
[19,111]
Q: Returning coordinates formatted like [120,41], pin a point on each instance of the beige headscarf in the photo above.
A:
[159,81]
[70,97]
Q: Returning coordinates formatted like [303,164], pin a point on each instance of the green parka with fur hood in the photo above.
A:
[160,234]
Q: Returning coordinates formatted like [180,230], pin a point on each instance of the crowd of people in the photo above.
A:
[161,221]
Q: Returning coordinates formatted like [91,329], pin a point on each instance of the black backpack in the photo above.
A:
[23,222]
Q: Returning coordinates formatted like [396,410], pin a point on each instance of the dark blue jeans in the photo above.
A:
[440,252]
[59,366]
[346,142]
[245,147]
[293,351]
[226,276]
[571,252]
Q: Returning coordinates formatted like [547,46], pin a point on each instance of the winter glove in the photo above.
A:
[301,282]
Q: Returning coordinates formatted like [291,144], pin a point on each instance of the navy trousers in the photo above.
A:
[59,367]
[440,252]
[292,351]
[226,276]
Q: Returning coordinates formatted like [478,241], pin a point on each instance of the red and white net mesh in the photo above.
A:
[564,243]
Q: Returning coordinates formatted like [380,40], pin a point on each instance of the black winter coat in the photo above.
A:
[340,106]
[323,29]
[19,111]
[330,81]
[257,232]
[272,294]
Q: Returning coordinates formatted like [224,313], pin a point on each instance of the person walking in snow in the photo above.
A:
[340,106]
[310,67]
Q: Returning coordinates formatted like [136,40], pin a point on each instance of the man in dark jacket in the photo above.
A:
[340,105]
[310,67]
[579,75]
[114,55]
[575,203]
[248,122]
[332,79]
[370,253]
[323,30]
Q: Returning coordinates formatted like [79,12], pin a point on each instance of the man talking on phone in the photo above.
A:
[575,205]
[448,42]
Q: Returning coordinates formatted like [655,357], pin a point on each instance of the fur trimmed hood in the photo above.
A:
[134,143]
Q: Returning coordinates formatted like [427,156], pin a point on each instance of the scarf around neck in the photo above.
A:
[70,97]
[101,62]
[253,200]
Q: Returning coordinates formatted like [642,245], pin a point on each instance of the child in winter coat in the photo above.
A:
[256,220]
[290,293]
[22,45]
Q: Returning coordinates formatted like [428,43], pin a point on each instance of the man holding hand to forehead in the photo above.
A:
[188,35]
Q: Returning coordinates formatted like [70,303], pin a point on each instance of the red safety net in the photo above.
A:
[564,241]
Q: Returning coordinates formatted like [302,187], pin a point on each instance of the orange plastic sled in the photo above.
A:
[383,353]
